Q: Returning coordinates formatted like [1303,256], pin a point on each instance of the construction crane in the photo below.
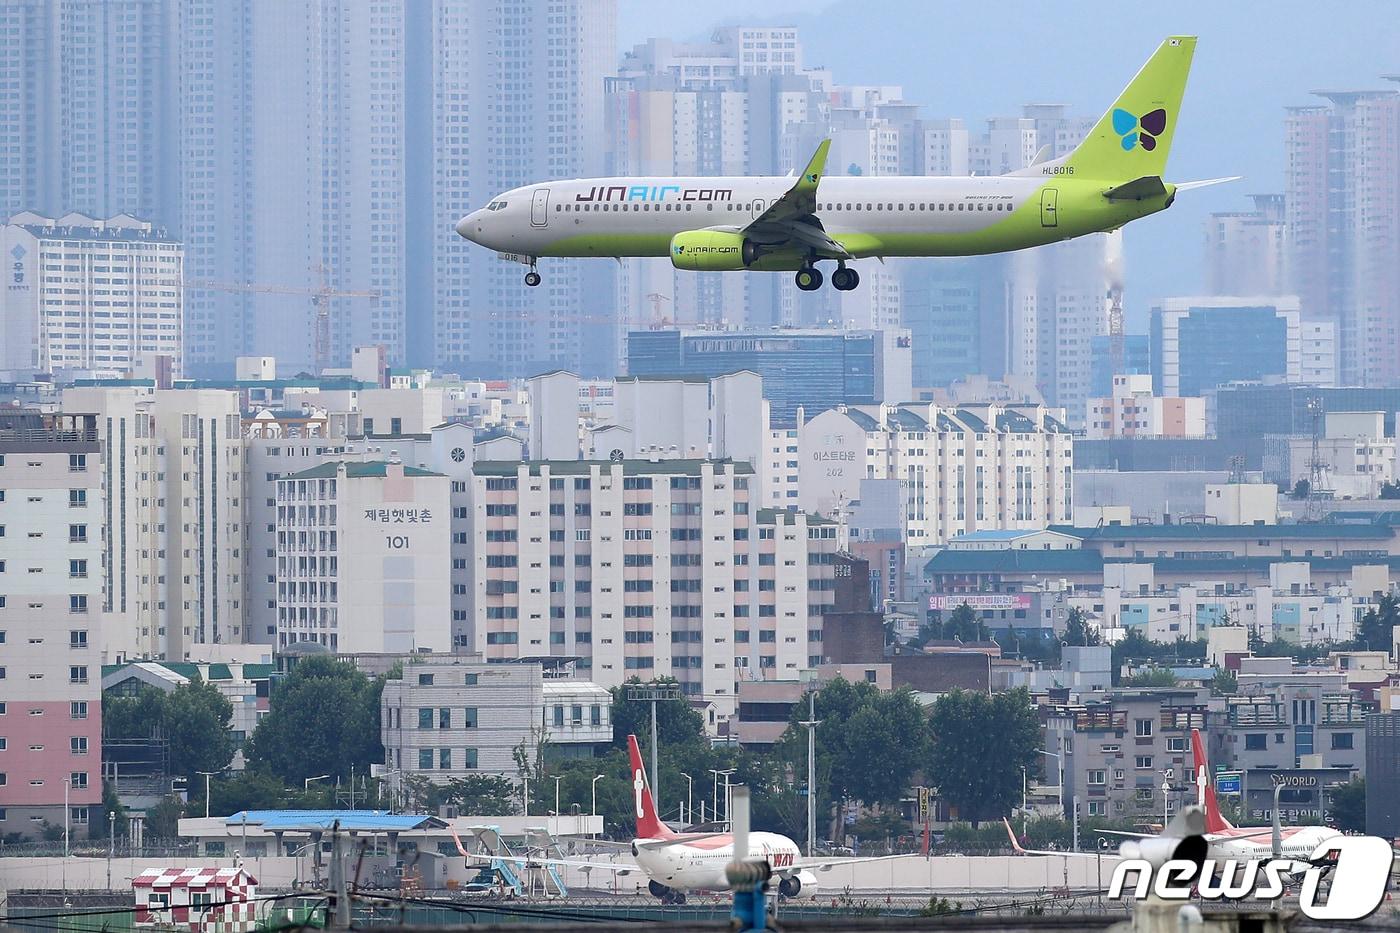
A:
[656,298]
[320,295]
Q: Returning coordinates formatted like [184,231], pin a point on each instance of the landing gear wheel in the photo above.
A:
[844,279]
[532,278]
[678,898]
[808,279]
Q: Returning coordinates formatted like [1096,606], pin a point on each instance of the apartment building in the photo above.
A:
[362,559]
[646,568]
[960,469]
[51,588]
[90,295]
[1133,411]
[450,716]
[1118,752]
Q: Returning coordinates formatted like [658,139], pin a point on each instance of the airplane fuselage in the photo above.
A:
[868,216]
[699,865]
[1253,842]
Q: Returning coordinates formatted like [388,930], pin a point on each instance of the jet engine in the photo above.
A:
[800,884]
[713,251]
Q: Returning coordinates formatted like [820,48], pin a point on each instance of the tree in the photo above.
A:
[324,719]
[194,719]
[1390,490]
[250,789]
[964,625]
[677,723]
[1302,489]
[1375,631]
[480,795]
[110,804]
[163,820]
[1151,677]
[1224,684]
[1078,630]
[980,744]
[1349,806]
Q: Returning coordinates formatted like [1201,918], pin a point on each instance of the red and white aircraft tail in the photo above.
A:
[649,825]
[1205,787]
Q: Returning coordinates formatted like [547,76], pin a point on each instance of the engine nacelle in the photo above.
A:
[1158,850]
[712,251]
[799,885]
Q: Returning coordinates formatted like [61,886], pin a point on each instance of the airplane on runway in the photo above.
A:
[679,862]
[736,223]
[1225,840]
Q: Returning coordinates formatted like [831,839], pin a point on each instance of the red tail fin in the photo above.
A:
[649,826]
[1205,787]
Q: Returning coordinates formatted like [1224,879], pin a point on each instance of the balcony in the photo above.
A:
[1101,720]
[1256,713]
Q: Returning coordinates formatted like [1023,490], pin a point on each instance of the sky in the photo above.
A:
[972,60]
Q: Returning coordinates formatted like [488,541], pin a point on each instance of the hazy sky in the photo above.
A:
[975,60]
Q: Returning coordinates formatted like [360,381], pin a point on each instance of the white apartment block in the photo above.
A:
[646,568]
[51,586]
[86,295]
[175,534]
[960,470]
[362,558]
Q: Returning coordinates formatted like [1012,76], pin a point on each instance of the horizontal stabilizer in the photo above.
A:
[1188,185]
[1148,186]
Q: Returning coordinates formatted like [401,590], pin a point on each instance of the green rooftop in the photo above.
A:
[684,467]
[357,469]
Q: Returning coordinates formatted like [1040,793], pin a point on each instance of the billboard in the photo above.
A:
[978,601]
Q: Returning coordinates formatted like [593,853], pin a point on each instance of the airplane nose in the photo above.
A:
[464,227]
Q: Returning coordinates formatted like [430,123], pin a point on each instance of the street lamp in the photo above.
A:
[689,816]
[1060,764]
[306,784]
[207,776]
[1166,800]
[717,772]
[557,779]
[593,811]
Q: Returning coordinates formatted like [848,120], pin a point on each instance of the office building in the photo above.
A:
[1342,211]
[1129,355]
[51,506]
[1355,458]
[1199,344]
[1252,411]
[962,469]
[646,568]
[84,295]
[362,558]
[801,368]
[1383,773]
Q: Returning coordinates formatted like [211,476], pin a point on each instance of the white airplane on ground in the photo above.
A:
[679,862]
[1225,840]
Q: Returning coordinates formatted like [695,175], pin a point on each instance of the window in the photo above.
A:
[1176,744]
[77,638]
[77,498]
[77,534]
[425,717]
[469,717]
[445,759]
[445,718]
[77,569]
[559,715]
[78,709]
[78,745]
[1142,728]
[425,680]
[78,780]
[425,759]
[595,715]
[1256,741]
[77,603]
[77,463]
[1143,762]
[1097,776]
[1343,741]
[78,674]
[469,759]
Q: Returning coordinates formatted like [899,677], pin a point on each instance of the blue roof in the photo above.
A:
[1193,673]
[349,820]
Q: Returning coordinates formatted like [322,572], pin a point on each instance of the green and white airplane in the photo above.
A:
[780,224]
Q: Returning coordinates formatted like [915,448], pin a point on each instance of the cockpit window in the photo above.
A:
[495,205]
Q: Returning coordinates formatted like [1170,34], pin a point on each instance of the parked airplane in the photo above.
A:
[1225,840]
[679,862]
[780,224]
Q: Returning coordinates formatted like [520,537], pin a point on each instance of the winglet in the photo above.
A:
[1206,183]
[1011,834]
[1205,791]
[816,167]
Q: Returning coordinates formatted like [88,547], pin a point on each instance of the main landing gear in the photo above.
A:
[667,896]
[532,278]
[809,278]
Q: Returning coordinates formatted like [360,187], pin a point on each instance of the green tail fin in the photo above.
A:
[1133,138]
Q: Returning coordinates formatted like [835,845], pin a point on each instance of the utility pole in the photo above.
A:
[340,920]
[654,692]
[811,722]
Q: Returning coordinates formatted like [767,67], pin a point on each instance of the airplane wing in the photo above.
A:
[1021,850]
[1206,183]
[829,864]
[791,220]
